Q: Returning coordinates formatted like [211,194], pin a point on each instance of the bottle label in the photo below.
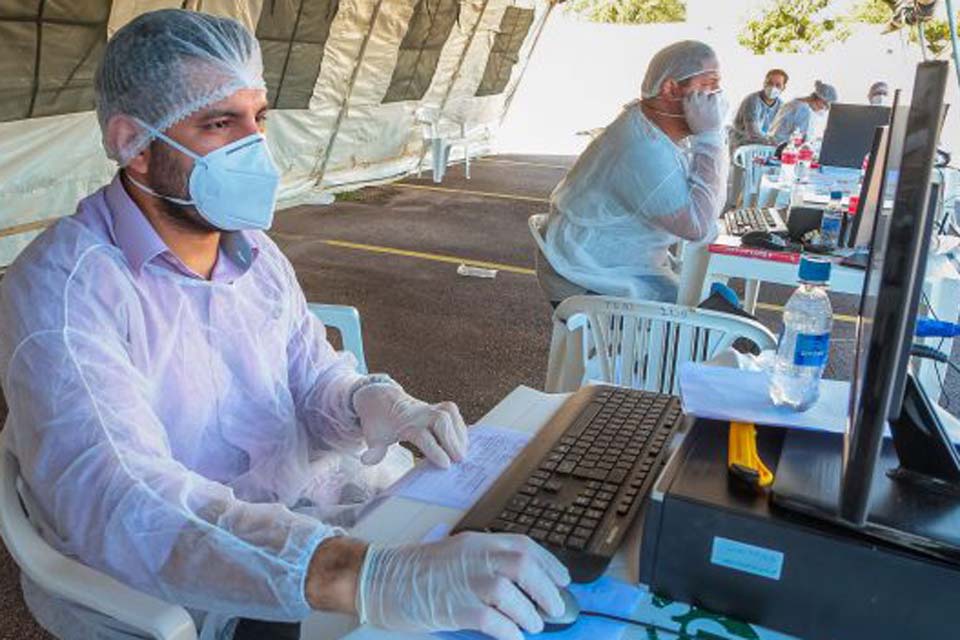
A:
[830,224]
[811,349]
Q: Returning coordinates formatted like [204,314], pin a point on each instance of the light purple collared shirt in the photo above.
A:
[166,424]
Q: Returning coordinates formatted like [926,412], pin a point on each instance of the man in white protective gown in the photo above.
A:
[181,422]
[655,176]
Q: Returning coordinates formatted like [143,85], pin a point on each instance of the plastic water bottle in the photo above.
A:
[804,159]
[832,221]
[805,341]
[788,164]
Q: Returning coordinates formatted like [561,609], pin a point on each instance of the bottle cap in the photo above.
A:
[836,195]
[814,270]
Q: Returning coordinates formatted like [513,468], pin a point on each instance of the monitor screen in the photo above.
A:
[861,230]
[892,286]
[849,133]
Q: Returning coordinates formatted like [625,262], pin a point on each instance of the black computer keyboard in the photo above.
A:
[741,221]
[578,485]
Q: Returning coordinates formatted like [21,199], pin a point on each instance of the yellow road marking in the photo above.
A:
[499,266]
[430,256]
[778,307]
[523,163]
[482,194]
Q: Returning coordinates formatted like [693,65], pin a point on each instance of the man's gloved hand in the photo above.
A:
[705,112]
[388,415]
[488,582]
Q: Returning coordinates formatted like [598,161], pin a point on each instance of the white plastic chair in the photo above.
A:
[537,223]
[346,320]
[745,158]
[430,120]
[638,344]
[69,580]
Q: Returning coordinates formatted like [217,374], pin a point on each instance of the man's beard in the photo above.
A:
[170,178]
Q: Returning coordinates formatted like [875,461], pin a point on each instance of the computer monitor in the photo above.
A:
[861,229]
[849,133]
[889,304]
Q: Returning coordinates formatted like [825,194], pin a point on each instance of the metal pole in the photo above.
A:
[346,98]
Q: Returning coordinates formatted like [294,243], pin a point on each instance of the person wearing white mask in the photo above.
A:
[181,422]
[803,114]
[656,175]
[878,94]
[757,111]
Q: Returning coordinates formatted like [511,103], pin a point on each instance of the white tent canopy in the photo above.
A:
[345,79]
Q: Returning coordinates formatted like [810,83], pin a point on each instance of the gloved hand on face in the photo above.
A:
[705,112]
[389,415]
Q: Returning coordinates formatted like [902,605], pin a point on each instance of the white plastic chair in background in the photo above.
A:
[431,121]
[72,581]
[636,343]
[346,320]
[745,158]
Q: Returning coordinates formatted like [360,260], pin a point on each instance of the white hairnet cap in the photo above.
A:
[878,87]
[825,92]
[165,65]
[680,60]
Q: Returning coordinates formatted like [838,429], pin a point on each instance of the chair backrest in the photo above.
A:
[746,157]
[638,344]
[537,224]
[75,582]
[346,320]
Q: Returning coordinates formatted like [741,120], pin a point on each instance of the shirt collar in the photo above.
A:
[140,243]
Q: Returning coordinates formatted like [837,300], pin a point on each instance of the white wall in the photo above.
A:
[582,73]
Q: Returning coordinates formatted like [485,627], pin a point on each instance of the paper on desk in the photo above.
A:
[722,393]
[491,450]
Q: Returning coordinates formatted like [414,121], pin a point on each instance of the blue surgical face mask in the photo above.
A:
[233,187]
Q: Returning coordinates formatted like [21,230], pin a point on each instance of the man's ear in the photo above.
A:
[670,90]
[122,131]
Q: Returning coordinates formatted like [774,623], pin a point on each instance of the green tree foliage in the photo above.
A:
[793,26]
[891,13]
[630,11]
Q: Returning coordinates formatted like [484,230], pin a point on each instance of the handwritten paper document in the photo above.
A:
[491,450]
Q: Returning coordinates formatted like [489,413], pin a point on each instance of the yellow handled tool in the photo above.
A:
[743,461]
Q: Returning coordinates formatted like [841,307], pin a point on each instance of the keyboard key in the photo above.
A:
[566,467]
[582,501]
[553,486]
[623,508]
[617,475]
[543,523]
[599,504]
[589,523]
[509,516]
[540,535]
[557,539]
[568,518]
[605,495]
[575,510]
[518,503]
[593,513]
[609,486]
[526,520]
[597,474]
[576,544]
[593,484]
[562,528]
[583,532]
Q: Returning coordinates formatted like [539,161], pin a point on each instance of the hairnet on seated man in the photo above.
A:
[634,191]
[184,435]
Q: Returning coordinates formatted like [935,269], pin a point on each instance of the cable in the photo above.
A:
[700,635]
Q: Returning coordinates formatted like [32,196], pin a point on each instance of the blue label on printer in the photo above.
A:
[811,350]
[766,563]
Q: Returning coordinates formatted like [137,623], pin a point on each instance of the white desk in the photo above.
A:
[398,520]
[701,269]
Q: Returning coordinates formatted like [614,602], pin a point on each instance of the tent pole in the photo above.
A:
[526,63]
[456,71]
[346,98]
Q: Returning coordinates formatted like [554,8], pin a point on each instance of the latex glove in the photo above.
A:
[488,582]
[705,112]
[388,415]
